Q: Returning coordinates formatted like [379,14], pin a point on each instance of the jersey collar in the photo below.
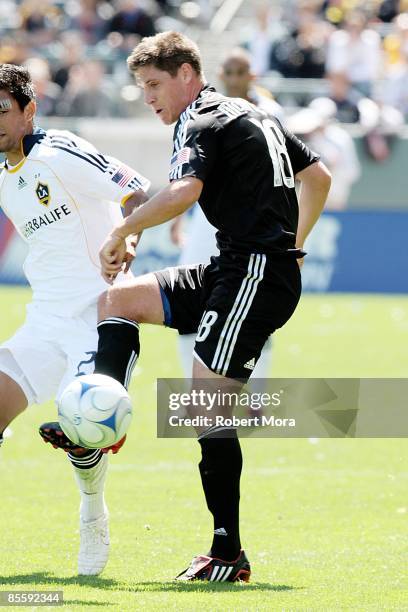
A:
[31,139]
[27,144]
[207,89]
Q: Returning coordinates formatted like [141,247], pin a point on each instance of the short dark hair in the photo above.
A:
[166,51]
[17,81]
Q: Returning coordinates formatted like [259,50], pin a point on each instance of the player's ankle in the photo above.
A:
[225,554]
[79,452]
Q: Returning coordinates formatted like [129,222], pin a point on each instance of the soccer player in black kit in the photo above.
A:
[241,166]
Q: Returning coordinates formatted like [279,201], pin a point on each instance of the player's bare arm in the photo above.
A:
[136,199]
[175,199]
[315,184]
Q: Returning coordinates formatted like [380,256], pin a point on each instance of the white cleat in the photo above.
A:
[94,547]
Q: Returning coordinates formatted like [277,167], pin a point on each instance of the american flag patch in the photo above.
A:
[179,158]
[123,175]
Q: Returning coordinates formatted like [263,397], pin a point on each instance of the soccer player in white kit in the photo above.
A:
[63,197]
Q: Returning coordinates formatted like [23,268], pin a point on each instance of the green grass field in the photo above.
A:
[324,524]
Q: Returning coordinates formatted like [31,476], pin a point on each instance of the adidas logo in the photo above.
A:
[21,183]
[220,531]
[250,364]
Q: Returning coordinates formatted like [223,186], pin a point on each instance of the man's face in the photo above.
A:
[14,123]
[168,96]
[237,78]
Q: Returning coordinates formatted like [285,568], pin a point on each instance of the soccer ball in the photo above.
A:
[95,411]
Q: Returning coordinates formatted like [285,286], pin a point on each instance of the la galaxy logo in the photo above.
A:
[43,193]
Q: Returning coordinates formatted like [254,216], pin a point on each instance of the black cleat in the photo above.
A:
[217,570]
[52,433]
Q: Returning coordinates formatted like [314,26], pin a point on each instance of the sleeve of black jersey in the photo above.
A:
[200,148]
[299,153]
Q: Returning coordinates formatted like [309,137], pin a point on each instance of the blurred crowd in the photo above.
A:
[76,49]
[360,47]
[76,52]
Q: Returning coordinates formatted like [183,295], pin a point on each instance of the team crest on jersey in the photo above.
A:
[43,193]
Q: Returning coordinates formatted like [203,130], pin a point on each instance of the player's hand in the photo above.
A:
[112,257]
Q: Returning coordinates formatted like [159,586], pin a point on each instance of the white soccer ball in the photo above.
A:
[95,411]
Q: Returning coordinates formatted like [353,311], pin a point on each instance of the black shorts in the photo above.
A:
[233,305]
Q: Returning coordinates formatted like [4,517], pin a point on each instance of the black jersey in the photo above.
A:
[247,161]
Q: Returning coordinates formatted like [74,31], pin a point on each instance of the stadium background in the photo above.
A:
[76,52]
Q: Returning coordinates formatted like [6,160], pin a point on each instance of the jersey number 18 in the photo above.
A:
[283,173]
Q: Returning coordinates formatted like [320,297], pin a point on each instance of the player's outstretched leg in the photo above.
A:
[118,344]
[118,348]
[90,474]
[120,310]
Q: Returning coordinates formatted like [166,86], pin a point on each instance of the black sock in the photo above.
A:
[118,348]
[220,469]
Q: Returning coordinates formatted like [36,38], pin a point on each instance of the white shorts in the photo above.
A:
[48,351]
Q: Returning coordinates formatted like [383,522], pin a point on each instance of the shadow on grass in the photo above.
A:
[46,578]
[41,578]
[199,586]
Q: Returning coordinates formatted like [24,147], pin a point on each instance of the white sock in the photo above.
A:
[91,482]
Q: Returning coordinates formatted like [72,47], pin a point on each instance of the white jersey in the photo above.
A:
[63,198]
[200,243]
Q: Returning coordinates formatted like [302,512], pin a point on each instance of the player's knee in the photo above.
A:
[115,303]
[110,304]
[103,306]
[138,300]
